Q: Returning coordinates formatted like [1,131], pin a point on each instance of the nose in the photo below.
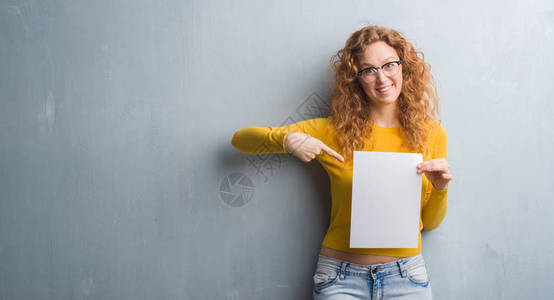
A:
[380,76]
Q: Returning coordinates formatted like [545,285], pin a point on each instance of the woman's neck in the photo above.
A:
[385,116]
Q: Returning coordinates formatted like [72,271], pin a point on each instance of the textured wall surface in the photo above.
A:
[118,179]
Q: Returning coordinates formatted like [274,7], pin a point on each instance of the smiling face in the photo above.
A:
[383,90]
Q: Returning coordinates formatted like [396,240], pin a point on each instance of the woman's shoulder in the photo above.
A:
[435,128]
[433,124]
[324,128]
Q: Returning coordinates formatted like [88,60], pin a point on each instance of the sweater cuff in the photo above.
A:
[439,192]
[281,137]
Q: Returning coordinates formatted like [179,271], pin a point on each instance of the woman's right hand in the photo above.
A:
[306,147]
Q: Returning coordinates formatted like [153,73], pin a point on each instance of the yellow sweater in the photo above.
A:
[256,140]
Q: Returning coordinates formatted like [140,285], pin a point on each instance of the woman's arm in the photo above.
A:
[257,140]
[436,205]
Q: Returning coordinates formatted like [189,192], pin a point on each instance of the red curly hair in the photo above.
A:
[350,109]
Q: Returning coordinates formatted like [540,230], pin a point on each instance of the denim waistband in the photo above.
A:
[384,269]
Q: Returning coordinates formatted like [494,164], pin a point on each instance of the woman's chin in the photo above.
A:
[384,101]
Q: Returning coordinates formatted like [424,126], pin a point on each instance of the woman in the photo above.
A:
[384,99]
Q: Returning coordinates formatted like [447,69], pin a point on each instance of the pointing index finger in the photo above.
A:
[332,153]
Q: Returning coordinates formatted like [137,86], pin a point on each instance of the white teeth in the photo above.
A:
[385,89]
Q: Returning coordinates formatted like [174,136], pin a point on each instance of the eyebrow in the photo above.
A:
[368,64]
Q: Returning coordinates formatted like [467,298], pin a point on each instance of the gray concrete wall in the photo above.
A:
[115,159]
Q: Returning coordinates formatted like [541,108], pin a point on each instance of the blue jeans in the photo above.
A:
[405,278]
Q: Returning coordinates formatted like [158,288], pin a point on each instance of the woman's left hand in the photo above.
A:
[437,171]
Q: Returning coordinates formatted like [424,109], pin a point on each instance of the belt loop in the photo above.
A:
[343,266]
[402,268]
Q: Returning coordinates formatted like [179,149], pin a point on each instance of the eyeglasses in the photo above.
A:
[389,69]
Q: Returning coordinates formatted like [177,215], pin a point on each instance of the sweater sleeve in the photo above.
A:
[257,140]
[435,206]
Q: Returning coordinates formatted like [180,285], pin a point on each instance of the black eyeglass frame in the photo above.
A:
[398,62]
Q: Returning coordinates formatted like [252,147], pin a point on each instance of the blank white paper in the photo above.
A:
[386,199]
